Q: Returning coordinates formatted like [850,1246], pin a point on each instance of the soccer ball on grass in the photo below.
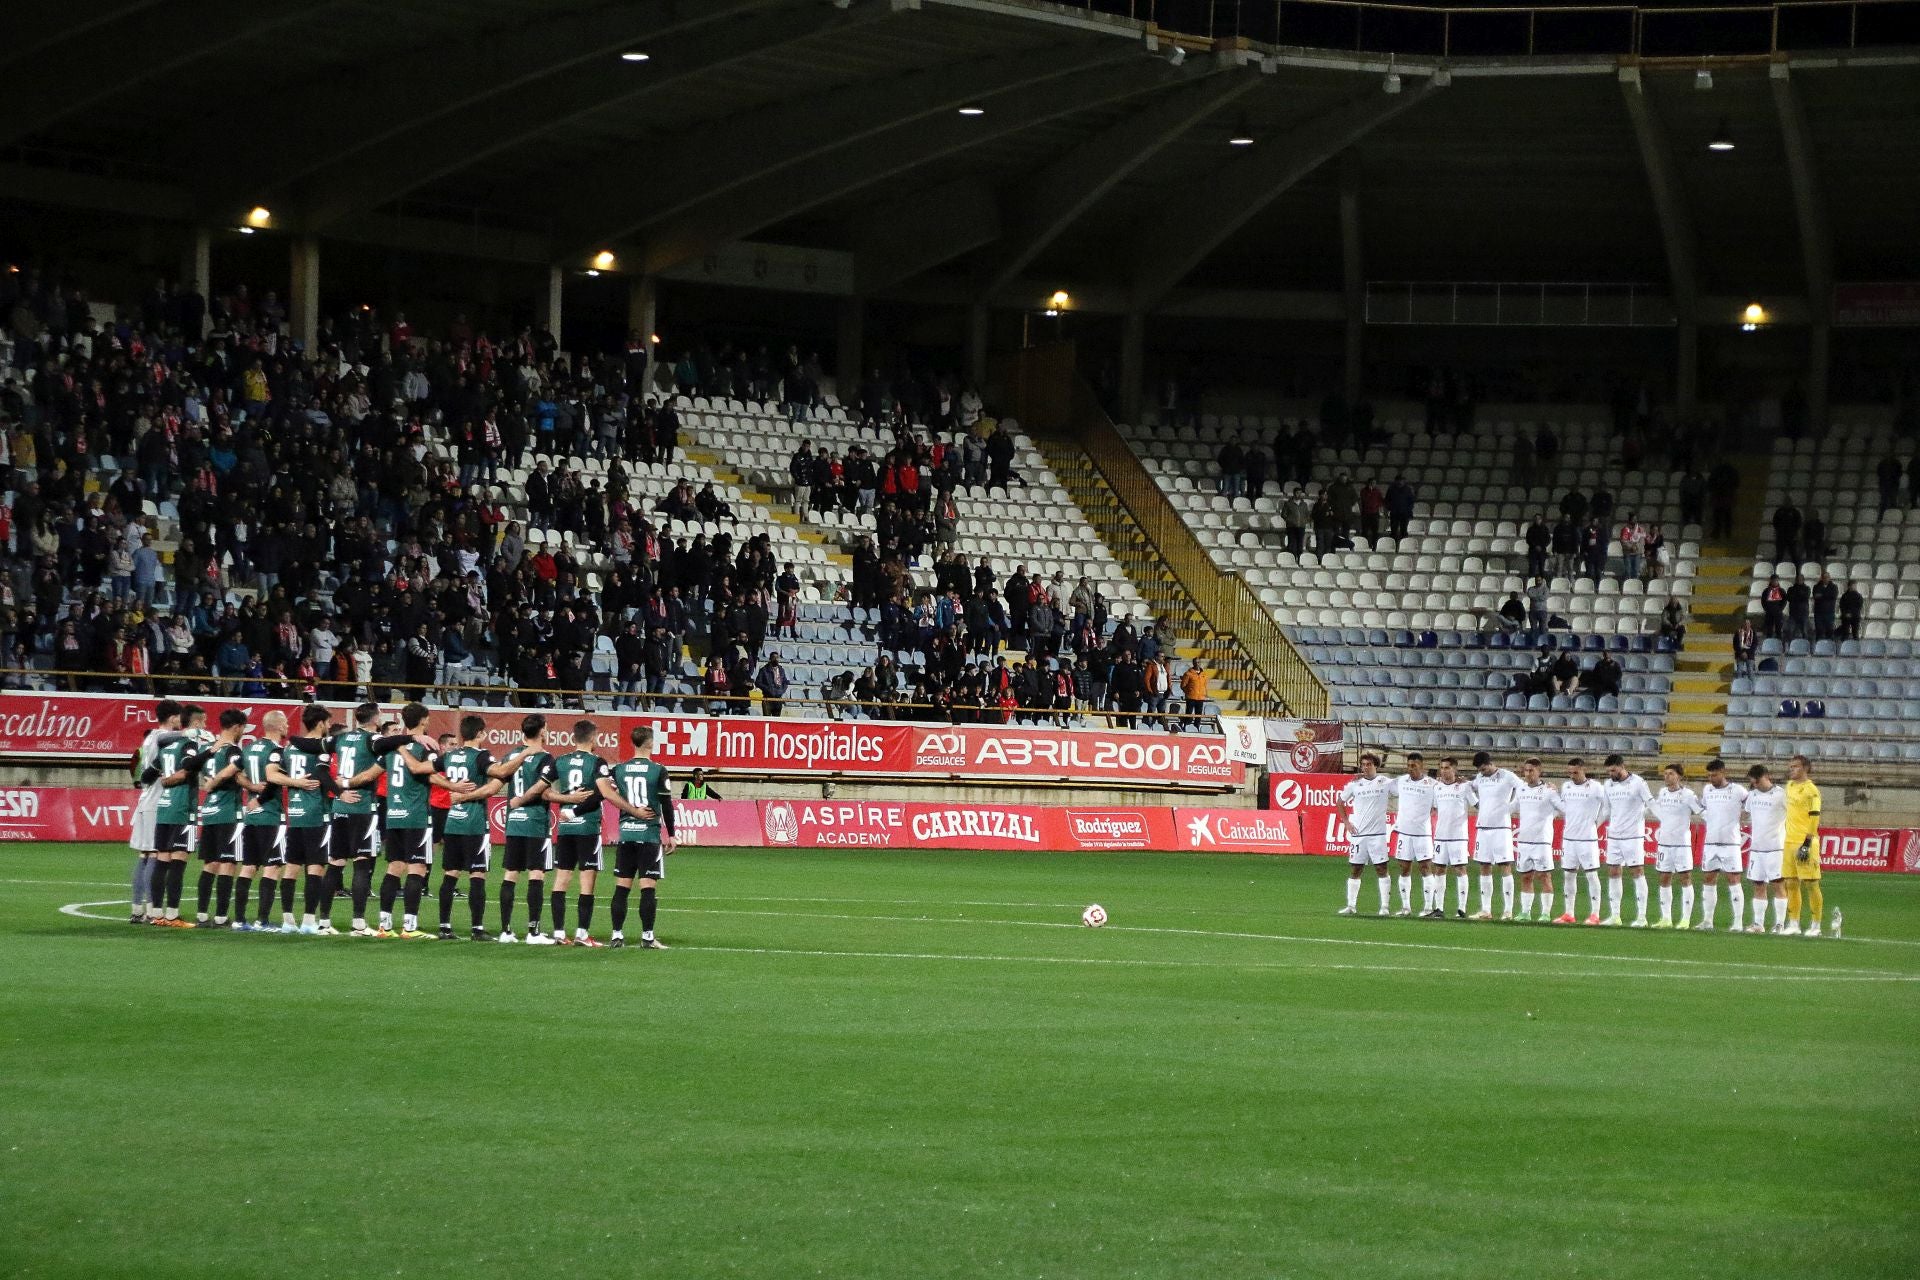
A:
[1094,916]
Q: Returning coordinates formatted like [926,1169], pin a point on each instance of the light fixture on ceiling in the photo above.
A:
[592,272]
[604,260]
[1753,317]
[244,230]
[635,55]
[1703,79]
[259,216]
[1242,136]
[1060,300]
[1392,83]
[973,109]
[1722,138]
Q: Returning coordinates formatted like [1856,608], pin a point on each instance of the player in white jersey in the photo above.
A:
[1766,809]
[1363,809]
[1413,833]
[1721,802]
[1582,802]
[1674,807]
[1539,804]
[1627,801]
[1452,795]
[1494,792]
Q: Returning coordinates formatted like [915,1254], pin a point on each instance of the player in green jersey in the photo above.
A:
[351,835]
[173,816]
[412,769]
[263,831]
[646,837]
[217,770]
[529,828]
[578,782]
[465,846]
[146,829]
[308,825]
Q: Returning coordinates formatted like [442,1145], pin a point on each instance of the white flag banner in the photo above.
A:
[1246,738]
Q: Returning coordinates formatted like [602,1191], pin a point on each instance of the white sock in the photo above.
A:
[307,919]
[1760,906]
[1506,883]
[1570,881]
[1666,902]
[1779,913]
[1486,892]
[1617,885]
[1546,902]
[646,935]
[409,924]
[1353,892]
[1406,892]
[1460,889]
[1686,904]
[1640,898]
[286,917]
[1593,894]
[386,920]
[1386,892]
[1526,904]
[1737,895]
[1710,902]
[618,936]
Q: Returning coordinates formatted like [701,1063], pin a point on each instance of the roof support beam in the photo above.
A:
[1816,232]
[730,154]
[786,194]
[101,62]
[312,128]
[371,178]
[1055,198]
[907,237]
[1676,232]
[1196,221]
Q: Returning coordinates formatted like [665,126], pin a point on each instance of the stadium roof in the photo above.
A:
[1096,150]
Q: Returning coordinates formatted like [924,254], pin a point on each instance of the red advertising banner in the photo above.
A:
[1876,304]
[98,725]
[1240,831]
[730,823]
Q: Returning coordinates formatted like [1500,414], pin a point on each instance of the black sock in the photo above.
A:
[329,889]
[560,912]
[238,892]
[206,890]
[316,885]
[416,890]
[619,908]
[649,907]
[477,901]
[222,894]
[389,891]
[536,890]
[266,900]
[362,887]
[586,912]
[176,881]
[508,890]
[446,902]
[288,882]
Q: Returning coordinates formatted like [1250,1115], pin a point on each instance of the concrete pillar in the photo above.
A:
[303,300]
[1686,368]
[1133,365]
[546,310]
[1353,277]
[1819,357]
[850,347]
[643,306]
[978,320]
[196,269]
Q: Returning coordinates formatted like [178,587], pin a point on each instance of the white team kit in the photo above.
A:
[1494,797]
[1581,806]
[1721,807]
[1366,801]
[1538,804]
[1627,802]
[1674,809]
[1767,818]
[1413,818]
[1450,802]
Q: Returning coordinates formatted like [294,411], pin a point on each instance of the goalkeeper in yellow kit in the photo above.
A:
[1801,866]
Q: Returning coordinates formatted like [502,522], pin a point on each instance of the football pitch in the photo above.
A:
[919,1064]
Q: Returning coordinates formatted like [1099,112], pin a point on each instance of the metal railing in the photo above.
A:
[1228,604]
[1530,304]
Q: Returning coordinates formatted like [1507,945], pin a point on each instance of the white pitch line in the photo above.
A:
[74,909]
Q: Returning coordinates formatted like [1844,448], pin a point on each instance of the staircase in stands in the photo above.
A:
[774,508]
[1703,671]
[1235,681]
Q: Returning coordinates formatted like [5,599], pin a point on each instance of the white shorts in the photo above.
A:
[1674,859]
[1721,857]
[1579,855]
[1493,846]
[1363,850]
[1631,852]
[1535,856]
[1450,853]
[1413,846]
[1764,866]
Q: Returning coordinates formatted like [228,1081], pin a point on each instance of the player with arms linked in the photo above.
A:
[646,837]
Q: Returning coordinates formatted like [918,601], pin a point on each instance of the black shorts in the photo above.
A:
[410,844]
[439,820]
[171,837]
[220,843]
[634,860]
[576,853]
[350,836]
[306,846]
[465,853]
[263,846]
[529,853]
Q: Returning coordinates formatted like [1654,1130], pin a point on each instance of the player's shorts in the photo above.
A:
[1674,859]
[170,837]
[1535,855]
[1763,865]
[1493,846]
[1365,850]
[1413,846]
[306,846]
[529,853]
[1791,868]
[262,846]
[1721,857]
[1450,853]
[1579,855]
[410,844]
[466,853]
[576,853]
[351,836]
[638,860]
[220,842]
[1631,852]
[439,819]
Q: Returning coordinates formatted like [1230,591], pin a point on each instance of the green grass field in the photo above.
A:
[915,1064]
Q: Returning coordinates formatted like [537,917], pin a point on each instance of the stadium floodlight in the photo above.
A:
[1242,136]
[635,55]
[259,216]
[1753,317]
[1060,300]
[1722,137]
[973,109]
[1703,79]
[604,260]
[1392,83]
